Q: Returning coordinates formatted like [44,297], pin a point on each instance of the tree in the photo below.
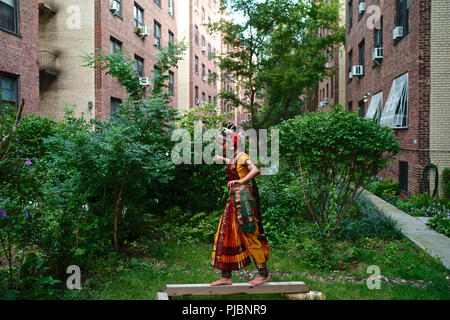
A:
[277,54]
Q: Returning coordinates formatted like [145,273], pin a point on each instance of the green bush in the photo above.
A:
[370,223]
[446,183]
[384,188]
[188,227]
[441,221]
[333,154]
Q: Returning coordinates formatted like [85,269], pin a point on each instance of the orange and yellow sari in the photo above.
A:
[237,234]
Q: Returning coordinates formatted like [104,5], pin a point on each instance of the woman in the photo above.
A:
[238,231]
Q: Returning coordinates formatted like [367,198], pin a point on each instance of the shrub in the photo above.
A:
[370,223]
[446,183]
[441,221]
[334,153]
[384,188]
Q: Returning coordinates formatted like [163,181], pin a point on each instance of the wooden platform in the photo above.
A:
[173,290]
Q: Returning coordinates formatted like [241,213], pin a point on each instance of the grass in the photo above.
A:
[170,263]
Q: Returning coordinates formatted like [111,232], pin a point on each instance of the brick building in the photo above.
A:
[332,89]
[398,67]
[67,30]
[197,84]
[19,52]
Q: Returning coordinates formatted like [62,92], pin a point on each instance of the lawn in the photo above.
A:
[411,273]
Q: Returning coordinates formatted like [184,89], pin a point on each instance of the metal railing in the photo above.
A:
[47,61]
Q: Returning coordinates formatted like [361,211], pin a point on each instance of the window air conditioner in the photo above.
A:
[362,7]
[377,53]
[325,100]
[350,75]
[145,31]
[357,70]
[145,82]
[114,6]
[203,48]
[197,101]
[156,42]
[204,78]
[321,103]
[397,33]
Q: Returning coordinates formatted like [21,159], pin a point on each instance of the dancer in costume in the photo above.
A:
[239,233]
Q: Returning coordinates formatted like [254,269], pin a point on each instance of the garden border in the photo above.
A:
[432,242]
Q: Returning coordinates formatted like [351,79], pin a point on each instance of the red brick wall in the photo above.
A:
[108,25]
[196,50]
[411,54]
[19,54]
[333,65]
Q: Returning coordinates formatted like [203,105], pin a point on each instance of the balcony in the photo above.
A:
[47,64]
[47,7]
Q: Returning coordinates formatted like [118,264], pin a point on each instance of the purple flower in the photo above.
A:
[28,162]
[25,212]
[17,140]
[30,170]
[3,213]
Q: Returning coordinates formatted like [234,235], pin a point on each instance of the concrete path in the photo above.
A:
[434,243]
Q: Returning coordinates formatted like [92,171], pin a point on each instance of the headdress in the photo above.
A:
[229,134]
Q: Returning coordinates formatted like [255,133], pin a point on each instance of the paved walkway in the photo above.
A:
[434,243]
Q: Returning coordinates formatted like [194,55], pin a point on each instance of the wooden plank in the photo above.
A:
[235,288]
[162,296]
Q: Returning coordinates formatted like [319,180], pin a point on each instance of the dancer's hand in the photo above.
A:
[234,182]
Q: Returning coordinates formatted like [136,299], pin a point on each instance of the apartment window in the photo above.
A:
[196,95]
[171,37]
[350,106]
[157,34]
[350,14]
[171,82]
[361,54]
[116,104]
[119,13]
[361,108]
[332,86]
[9,15]
[203,97]
[115,45]
[138,16]
[350,61]
[402,15]
[203,72]
[158,2]
[209,51]
[375,106]
[139,66]
[215,100]
[327,90]
[171,7]
[395,113]
[203,15]
[209,76]
[378,34]
[196,34]
[403,176]
[8,90]
[203,42]
[196,65]
[361,13]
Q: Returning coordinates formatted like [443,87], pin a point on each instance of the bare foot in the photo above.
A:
[223,281]
[259,280]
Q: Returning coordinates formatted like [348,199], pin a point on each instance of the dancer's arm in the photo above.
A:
[254,171]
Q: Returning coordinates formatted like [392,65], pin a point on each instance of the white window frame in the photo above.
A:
[375,107]
[396,107]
